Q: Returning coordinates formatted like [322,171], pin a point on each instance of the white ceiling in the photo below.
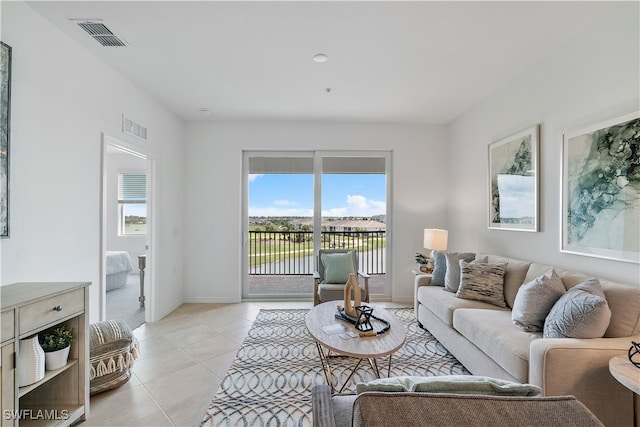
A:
[423,62]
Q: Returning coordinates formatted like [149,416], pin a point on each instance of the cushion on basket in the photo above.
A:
[112,349]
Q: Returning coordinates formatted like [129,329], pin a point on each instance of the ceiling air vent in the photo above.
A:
[102,34]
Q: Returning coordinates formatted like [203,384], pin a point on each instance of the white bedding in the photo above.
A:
[118,261]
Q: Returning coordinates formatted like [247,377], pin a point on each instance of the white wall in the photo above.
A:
[134,244]
[593,77]
[62,98]
[213,182]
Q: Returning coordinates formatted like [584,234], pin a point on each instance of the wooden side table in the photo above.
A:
[626,374]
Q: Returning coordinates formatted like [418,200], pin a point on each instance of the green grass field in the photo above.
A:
[265,248]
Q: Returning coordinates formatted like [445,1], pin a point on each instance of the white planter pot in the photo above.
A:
[31,366]
[56,359]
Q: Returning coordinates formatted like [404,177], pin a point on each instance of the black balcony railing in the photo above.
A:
[292,252]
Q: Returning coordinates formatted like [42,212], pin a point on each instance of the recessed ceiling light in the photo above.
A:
[204,111]
[320,57]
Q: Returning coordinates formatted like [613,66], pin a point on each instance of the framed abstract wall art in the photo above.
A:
[513,181]
[5,106]
[601,189]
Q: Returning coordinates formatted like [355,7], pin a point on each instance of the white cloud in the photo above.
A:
[275,211]
[254,176]
[357,205]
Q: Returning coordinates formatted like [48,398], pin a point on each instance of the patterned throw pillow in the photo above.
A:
[452,275]
[482,282]
[534,301]
[582,312]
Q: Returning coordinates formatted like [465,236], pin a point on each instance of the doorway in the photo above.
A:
[298,202]
[126,233]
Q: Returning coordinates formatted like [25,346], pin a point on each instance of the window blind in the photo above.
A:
[132,188]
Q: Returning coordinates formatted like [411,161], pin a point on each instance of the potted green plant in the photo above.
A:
[56,343]
[423,263]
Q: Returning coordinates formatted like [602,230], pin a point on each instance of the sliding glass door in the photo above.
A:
[298,202]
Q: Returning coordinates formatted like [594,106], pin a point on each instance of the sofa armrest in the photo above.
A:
[316,283]
[580,367]
[422,280]
[365,276]
[322,406]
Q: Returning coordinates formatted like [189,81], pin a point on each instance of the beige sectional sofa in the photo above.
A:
[484,339]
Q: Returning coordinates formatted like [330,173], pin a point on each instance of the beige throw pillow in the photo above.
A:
[534,301]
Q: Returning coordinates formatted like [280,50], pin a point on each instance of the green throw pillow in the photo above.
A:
[456,384]
[337,266]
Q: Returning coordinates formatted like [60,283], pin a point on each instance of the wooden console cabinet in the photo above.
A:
[62,396]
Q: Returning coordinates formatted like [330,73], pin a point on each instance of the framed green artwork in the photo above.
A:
[601,189]
[513,181]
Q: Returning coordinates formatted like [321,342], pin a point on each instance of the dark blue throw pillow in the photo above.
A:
[440,265]
[439,268]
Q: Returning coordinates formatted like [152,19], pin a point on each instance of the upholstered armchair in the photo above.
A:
[334,268]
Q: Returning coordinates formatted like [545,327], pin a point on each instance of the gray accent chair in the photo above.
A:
[380,409]
[323,292]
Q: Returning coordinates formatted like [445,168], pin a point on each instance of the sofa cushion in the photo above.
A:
[482,282]
[452,274]
[582,312]
[534,301]
[458,384]
[337,266]
[493,332]
[625,321]
[514,275]
[329,292]
[442,303]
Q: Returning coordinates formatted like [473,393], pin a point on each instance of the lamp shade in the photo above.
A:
[435,239]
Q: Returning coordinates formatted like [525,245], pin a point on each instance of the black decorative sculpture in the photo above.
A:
[634,353]
[363,323]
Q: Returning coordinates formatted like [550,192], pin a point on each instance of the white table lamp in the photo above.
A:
[435,239]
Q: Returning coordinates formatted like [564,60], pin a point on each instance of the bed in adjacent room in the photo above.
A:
[118,267]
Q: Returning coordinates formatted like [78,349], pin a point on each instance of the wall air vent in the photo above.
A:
[132,128]
[102,34]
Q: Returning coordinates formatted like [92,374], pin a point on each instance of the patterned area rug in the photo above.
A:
[270,381]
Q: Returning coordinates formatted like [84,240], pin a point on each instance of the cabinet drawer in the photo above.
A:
[7,326]
[44,312]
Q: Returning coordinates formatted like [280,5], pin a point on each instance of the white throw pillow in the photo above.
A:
[582,312]
[534,301]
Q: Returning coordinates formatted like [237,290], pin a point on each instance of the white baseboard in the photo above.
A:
[210,300]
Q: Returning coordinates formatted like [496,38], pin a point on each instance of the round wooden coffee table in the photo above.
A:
[328,332]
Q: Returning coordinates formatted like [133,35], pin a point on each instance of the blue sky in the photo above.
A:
[292,195]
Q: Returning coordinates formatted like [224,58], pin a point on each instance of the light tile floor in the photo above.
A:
[184,358]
